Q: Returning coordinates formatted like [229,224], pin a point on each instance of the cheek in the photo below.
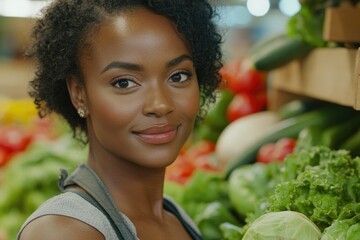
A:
[190,104]
[112,112]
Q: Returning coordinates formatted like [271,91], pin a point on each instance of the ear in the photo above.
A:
[77,92]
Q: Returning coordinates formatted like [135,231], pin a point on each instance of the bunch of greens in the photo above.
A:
[320,183]
[249,187]
[317,182]
[309,21]
[347,226]
[206,201]
[308,25]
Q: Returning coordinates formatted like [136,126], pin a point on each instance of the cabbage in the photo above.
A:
[285,225]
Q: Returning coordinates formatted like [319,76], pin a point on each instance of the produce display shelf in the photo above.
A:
[329,74]
[342,24]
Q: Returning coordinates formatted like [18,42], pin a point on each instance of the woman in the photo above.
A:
[130,77]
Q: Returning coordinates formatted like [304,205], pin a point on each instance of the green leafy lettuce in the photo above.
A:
[318,182]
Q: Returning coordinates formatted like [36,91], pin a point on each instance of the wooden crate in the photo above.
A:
[329,74]
[342,24]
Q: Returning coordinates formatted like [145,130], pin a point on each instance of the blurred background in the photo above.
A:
[242,22]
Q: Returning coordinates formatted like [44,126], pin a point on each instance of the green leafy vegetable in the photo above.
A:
[347,226]
[249,184]
[32,177]
[203,188]
[204,197]
[285,225]
[210,219]
[230,231]
[308,24]
[319,182]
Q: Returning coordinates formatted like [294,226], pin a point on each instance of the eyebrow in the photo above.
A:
[124,65]
[136,67]
[178,60]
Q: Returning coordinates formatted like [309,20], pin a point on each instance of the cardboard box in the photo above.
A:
[329,74]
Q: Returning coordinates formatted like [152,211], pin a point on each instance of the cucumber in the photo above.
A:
[291,127]
[309,136]
[280,52]
[352,144]
[334,136]
[297,107]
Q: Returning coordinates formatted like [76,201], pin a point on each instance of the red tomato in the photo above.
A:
[240,78]
[264,154]
[200,148]
[277,151]
[283,147]
[262,99]
[208,162]
[249,81]
[201,155]
[180,171]
[14,139]
[241,105]
[4,157]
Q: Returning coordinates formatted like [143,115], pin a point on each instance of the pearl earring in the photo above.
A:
[81,112]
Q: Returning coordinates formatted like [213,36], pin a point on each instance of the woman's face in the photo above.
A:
[141,91]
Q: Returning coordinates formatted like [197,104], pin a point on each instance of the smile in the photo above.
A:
[157,135]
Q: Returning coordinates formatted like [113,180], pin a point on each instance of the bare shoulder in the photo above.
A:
[56,227]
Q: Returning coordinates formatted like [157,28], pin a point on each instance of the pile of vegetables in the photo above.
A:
[20,126]
[31,177]
[312,194]
[242,93]
[320,183]
[205,198]
[32,151]
[305,145]
[241,96]
[197,156]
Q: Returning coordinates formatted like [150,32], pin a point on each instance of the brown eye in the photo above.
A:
[124,83]
[180,77]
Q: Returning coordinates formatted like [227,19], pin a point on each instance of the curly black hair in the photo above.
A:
[60,37]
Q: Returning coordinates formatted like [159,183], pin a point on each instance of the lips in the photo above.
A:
[157,134]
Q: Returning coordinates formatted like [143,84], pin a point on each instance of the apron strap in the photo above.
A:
[98,195]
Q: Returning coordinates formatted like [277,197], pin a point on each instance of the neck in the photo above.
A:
[137,191]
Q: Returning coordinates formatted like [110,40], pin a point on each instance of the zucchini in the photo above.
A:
[309,136]
[352,144]
[291,127]
[297,107]
[334,136]
[280,52]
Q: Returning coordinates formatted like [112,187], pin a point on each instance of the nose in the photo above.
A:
[158,101]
